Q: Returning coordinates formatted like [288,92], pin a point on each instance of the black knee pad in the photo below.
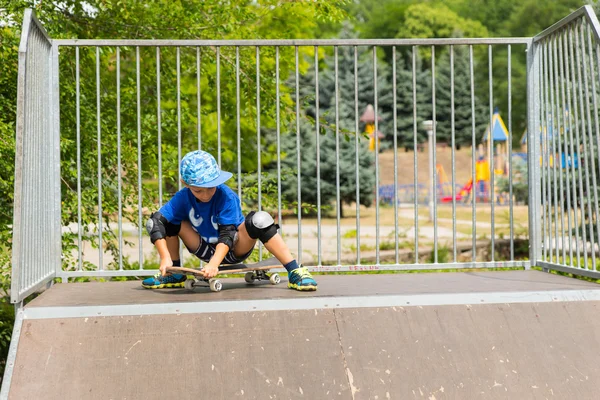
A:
[260,225]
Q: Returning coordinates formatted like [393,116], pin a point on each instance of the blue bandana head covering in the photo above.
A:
[200,169]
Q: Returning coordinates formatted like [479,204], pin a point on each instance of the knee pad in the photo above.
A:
[260,225]
[158,227]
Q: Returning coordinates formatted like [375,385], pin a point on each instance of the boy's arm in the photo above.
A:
[211,269]
[165,256]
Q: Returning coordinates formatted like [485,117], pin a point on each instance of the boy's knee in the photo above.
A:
[260,225]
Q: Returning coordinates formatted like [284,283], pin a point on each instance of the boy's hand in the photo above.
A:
[210,271]
[163,266]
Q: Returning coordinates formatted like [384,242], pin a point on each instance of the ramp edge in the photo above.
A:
[333,302]
[12,353]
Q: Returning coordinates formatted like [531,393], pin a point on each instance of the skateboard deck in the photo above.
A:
[254,271]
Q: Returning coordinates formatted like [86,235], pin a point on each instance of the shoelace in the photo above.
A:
[302,272]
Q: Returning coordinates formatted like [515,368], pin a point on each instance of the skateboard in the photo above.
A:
[253,272]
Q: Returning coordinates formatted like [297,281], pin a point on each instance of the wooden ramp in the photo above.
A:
[488,335]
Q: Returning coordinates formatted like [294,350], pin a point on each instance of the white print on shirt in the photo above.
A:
[196,222]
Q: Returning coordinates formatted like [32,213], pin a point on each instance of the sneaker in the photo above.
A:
[159,282]
[301,279]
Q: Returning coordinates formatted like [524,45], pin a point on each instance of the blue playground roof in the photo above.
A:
[542,135]
[499,131]
[547,133]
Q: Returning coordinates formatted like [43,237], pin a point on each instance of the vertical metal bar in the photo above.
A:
[548,153]
[258,148]
[99,147]
[237,119]
[337,155]
[78,138]
[473,165]
[376,138]
[298,155]
[178,113]
[199,95]
[357,148]
[589,157]
[139,154]
[577,83]
[318,155]
[510,158]
[159,129]
[434,183]
[545,174]
[453,152]
[54,89]
[119,166]
[554,128]
[591,135]
[415,150]
[179,131]
[533,150]
[279,215]
[569,160]
[395,130]
[219,105]
[568,54]
[493,174]
[37,144]
[555,87]
[596,131]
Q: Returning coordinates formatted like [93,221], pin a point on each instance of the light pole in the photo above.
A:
[428,125]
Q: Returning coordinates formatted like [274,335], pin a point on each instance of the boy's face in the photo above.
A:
[202,194]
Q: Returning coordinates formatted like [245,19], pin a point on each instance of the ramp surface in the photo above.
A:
[523,349]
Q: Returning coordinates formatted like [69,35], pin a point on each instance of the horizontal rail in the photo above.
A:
[586,11]
[324,268]
[291,42]
[569,270]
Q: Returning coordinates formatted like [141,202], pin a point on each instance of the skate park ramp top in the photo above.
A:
[468,335]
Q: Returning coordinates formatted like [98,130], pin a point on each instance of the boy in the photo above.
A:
[207,216]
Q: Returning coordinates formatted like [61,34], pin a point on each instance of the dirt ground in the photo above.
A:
[406,165]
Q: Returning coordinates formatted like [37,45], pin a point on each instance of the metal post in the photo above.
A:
[533,155]
[428,125]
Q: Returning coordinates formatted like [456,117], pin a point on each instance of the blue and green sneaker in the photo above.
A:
[301,279]
[159,282]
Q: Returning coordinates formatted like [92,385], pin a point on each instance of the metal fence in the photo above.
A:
[36,245]
[285,117]
[567,63]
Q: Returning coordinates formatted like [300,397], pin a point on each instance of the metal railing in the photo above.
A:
[284,116]
[567,63]
[36,246]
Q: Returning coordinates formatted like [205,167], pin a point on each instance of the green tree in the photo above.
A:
[405,101]
[327,131]
[462,100]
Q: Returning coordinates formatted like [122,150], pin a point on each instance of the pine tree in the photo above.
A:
[328,163]
[463,131]
[404,99]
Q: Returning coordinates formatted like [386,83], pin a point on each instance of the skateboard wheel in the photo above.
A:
[189,284]
[274,279]
[215,285]
[249,277]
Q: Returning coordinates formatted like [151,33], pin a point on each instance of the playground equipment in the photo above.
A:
[497,145]
[482,185]
[368,117]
